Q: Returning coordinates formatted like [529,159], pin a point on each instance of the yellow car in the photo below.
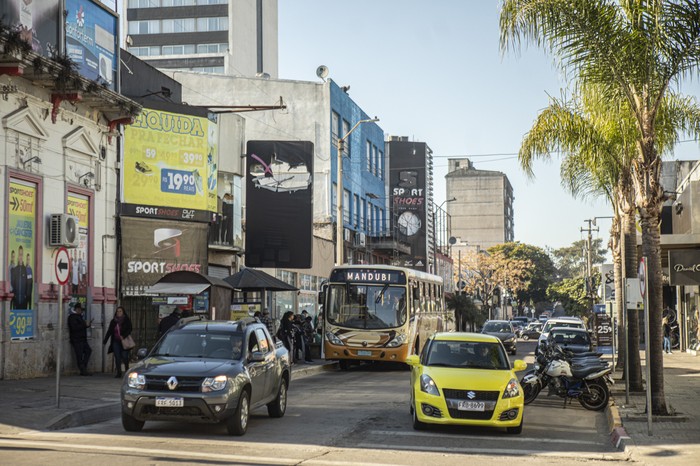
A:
[466,379]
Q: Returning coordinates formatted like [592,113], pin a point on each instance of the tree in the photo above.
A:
[572,294]
[570,261]
[536,276]
[633,50]
[467,315]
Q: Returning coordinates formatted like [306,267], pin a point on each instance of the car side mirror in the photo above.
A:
[519,365]
[413,360]
[256,356]
[141,353]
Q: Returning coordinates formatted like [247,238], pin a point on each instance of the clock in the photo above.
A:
[409,223]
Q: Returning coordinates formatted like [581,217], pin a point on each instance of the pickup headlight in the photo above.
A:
[398,340]
[136,380]
[213,384]
[428,386]
[333,338]
[512,389]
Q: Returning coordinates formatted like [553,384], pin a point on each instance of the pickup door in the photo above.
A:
[257,370]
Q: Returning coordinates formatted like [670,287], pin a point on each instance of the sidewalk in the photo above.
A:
[30,404]
[674,439]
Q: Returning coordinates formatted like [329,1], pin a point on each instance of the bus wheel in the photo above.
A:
[343,364]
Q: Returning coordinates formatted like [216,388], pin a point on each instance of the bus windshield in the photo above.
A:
[366,306]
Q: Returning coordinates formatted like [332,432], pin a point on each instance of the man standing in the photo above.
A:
[77,330]
[30,281]
[168,321]
[19,288]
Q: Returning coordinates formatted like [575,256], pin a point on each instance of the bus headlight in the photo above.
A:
[398,340]
[333,338]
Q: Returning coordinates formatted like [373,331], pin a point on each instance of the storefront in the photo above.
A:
[684,274]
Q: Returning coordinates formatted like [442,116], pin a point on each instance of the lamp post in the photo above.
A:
[339,193]
[435,213]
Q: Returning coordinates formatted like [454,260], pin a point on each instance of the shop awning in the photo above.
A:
[178,288]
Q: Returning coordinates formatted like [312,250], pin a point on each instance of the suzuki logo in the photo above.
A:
[471,395]
[172,383]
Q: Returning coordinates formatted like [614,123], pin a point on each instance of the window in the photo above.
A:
[370,218]
[144,27]
[346,130]
[380,164]
[219,23]
[335,121]
[369,156]
[363,209]
[356,210]
[346,206]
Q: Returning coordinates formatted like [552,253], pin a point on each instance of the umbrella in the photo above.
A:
[256,280]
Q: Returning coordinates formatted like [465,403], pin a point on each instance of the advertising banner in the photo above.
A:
[170,165]
[91,40]
[603,329]
[409,197]
[684,267]
[154,248]
[21,208]
[279,204]
[79,281]
[36,20]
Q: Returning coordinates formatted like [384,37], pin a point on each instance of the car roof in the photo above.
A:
[465,336]
[218,325]
[498,321]
[567,329]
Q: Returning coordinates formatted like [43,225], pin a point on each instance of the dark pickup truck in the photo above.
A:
[207,371]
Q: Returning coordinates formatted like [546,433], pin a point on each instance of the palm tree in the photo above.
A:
[633,50]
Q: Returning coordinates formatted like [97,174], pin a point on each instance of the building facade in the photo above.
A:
[232,37]
[482,213]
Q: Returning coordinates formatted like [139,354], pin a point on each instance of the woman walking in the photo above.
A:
[119,328]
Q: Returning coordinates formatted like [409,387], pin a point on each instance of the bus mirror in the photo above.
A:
[321,296]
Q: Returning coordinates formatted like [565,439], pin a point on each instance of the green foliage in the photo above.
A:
[538,277]
[570,261]
[467,313]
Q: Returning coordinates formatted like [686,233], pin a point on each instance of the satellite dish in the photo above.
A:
[452,240]
[322,72]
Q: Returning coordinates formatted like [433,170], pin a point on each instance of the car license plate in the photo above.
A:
[471,406]
[168,402]
[364,353]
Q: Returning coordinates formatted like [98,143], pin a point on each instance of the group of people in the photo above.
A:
[21,279]
[297,334]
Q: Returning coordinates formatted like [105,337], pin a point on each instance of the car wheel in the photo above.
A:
[131,424]
[417,425]
[517,429]
[238,423]
[278,406]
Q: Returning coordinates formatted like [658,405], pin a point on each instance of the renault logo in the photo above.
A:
[471,395]
[172,383]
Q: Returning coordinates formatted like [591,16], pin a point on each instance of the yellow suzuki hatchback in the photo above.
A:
[466,379]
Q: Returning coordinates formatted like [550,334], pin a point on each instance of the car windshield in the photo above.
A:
[200,344]
[467,355]
[563,337]
[549,325]
[497,327]
[367,306]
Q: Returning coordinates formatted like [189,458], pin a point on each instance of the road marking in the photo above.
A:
[481,437]
[495,451]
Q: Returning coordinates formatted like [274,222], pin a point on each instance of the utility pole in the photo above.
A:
[589,259]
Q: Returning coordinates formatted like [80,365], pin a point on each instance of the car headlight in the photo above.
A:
[510,340]
[333,338]
[136,380]
[398,340]
[512,389]
[428,386]
[213,384]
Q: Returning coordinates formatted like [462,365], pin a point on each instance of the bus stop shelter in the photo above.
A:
[210,295]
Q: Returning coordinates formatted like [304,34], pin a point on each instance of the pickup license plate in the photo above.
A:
[364,353]
[169,402]
[471,405]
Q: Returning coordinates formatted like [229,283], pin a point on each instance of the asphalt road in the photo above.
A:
[337,418]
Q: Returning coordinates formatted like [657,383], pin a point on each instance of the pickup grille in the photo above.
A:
[192,411]
[184,384]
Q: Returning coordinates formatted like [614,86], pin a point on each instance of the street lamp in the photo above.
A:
[339,193]
[435,267]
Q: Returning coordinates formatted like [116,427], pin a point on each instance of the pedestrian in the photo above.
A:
[168,321]
[286,333]
[667,335]
[77,331]
[308,329]
[299,346]
[119,328]
[265,319]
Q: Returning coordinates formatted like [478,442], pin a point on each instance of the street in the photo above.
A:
[356,417]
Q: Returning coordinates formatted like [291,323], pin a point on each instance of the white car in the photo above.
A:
[568,322]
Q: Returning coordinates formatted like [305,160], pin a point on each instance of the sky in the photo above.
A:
[434,71]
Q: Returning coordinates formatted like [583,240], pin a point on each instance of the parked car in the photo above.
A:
[503,330]
[465,379]
[518,327]
[568,322]
[532,332]
[575,340]
[207,371]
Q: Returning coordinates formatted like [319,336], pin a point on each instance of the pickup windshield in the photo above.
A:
[200,345]
[366,306]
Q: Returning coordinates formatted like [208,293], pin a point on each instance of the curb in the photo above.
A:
[311,370]
[618,435]
[91,415]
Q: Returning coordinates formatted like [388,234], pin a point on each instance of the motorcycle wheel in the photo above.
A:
[530,391]
[596,397]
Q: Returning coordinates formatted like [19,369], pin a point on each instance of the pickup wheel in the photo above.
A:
[131,424]
[278,406]
[238,423]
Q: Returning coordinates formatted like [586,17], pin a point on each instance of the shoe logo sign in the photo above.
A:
[471,395]
[172,383]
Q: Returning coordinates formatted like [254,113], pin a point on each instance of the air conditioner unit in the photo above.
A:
[63,231]
[363,239]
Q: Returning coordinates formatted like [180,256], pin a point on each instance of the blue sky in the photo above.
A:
[433,71]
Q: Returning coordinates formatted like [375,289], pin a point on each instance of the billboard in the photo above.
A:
[170,166]
[78,281]
[91,40]
[37,21]
[408,200]
[157,247]
[279,204]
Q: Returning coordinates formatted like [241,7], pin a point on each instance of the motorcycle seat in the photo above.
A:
[582,372]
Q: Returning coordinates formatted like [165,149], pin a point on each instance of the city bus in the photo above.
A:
[380,312]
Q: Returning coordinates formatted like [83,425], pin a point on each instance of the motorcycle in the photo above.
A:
[583,377]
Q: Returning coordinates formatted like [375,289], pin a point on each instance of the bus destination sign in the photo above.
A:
[368,276]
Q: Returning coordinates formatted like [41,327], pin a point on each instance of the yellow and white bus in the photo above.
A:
[380,312]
